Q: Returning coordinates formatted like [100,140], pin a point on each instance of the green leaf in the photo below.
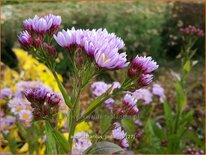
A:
[63,143]
[128,125]
[168,115]
[104,148]
[181,97]
[63,91]
[105,122]
[50,141]
[187,66]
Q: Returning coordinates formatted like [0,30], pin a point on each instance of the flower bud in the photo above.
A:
[37,43]
[132,72]
[25,39]
[53,99]
[50,50]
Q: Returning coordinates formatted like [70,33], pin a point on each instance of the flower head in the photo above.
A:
[145,64]
[145,79]
[7,123]
[25,39]
[80,142]
[119,134]
[143,94]
[5,93]
[158,91]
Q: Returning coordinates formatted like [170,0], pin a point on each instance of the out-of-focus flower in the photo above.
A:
[100,87]
[6,123]
[143,94]
[192,30]
[80,143]
[25,39]
[34,70]
[119,134]
[6,93]
[18,104]
[158,91]
[25,115]
[129,100]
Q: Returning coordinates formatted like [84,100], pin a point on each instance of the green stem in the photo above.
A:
[72,126]
[63,90]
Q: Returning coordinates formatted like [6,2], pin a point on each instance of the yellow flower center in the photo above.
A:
[25,116]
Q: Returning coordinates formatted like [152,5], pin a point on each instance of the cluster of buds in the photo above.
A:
[43,102]
[35,32]
[141,68]
[192,30]
[128,106]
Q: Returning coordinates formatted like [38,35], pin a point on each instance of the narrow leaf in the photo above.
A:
[50,141]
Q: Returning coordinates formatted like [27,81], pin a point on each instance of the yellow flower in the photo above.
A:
[31,69]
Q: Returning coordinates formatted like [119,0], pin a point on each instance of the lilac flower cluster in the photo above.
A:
[100,87]
[192,30]
[80,143]
[159,91]
[119,134]
[6,93]
[7,123]
[43,102]
[98,44]
[142,67]
[35,31]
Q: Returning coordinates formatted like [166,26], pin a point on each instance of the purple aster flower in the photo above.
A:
[111,59]
[145,79]
[6,93]
[143,94]
[18,104]
[124,143]
[25,39]
[145,64]
[158,91]
[55,22]
[129,100]
[36,95]
[25,115]
[66,39]
[119,134]
[28,24]
[80,142]
[40,25]
[99,88]
[109,102]
[7,123]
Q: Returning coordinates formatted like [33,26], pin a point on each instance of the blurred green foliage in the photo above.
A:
[147,28]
